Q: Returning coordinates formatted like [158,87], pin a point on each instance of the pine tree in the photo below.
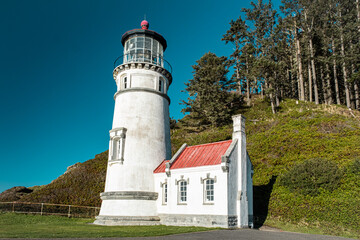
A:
[264,17]
[239,35]
[210,99]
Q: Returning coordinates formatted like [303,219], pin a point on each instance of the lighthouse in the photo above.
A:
[140,134]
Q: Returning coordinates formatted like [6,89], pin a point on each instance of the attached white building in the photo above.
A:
[206,185]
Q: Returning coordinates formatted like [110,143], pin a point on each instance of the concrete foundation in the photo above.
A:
[222,221]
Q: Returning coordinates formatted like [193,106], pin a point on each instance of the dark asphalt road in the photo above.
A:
[241,234]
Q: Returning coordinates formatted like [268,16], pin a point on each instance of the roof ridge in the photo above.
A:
[209,143]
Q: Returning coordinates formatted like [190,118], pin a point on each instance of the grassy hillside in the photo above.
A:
[278,143]
[80,185]
[279,146]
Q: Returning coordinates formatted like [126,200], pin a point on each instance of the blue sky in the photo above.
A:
[56,63]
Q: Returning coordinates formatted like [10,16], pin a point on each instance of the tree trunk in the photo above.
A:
[238,77]
[358,14]
[337,94]
[271,96]
[248,102]
[277,100]
[346,85]
[352,97]
[356,83]
[324,87]
[310,83]
[357,95]
[356,103]
[316,91]
[328,84]
[298,59]
[298,84]
[291,80]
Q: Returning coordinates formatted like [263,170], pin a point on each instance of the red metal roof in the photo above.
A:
[161,167]
[199,155]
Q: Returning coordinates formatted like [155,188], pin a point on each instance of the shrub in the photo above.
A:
[355,166]
[311,176]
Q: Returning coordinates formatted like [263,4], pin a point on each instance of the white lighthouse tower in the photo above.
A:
[140,134]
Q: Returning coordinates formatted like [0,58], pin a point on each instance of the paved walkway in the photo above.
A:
[241,234]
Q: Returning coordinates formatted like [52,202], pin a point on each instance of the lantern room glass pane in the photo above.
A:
[147,55]
[160,49]
[140,42]
[155,47]
[139,55]
[132,43]
[148,43]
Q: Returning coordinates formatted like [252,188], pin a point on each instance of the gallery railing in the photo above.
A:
[143,58]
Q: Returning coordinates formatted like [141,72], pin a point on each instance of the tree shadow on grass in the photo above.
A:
[262,195]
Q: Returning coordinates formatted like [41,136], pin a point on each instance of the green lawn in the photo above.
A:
[34,226]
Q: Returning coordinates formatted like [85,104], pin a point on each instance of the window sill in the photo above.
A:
[208,203]
[183,203]
[114,161]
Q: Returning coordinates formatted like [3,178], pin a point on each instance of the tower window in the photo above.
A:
[160,85]
[125,83]
[117,144]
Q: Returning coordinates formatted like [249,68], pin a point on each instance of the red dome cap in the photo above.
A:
[144,24]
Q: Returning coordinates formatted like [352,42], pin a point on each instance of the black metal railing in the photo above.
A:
[143,58]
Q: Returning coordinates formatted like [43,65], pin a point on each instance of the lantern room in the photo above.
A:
[143,45]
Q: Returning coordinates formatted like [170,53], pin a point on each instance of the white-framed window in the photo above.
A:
[125,83]
[182,192]
[164,193]
[117,145]
[209,190]
[161,84]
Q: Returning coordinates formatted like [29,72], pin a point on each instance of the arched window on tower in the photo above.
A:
[117,145]
[161,84]
[125,83]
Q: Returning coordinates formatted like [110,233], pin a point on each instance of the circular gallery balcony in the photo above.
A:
[143,58]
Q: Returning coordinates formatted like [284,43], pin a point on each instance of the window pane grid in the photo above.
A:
[183,191]
[209,190]
[165,193]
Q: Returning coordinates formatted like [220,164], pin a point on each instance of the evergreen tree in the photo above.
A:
[239,35]
[264,17]
[312,53]
[210,99]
